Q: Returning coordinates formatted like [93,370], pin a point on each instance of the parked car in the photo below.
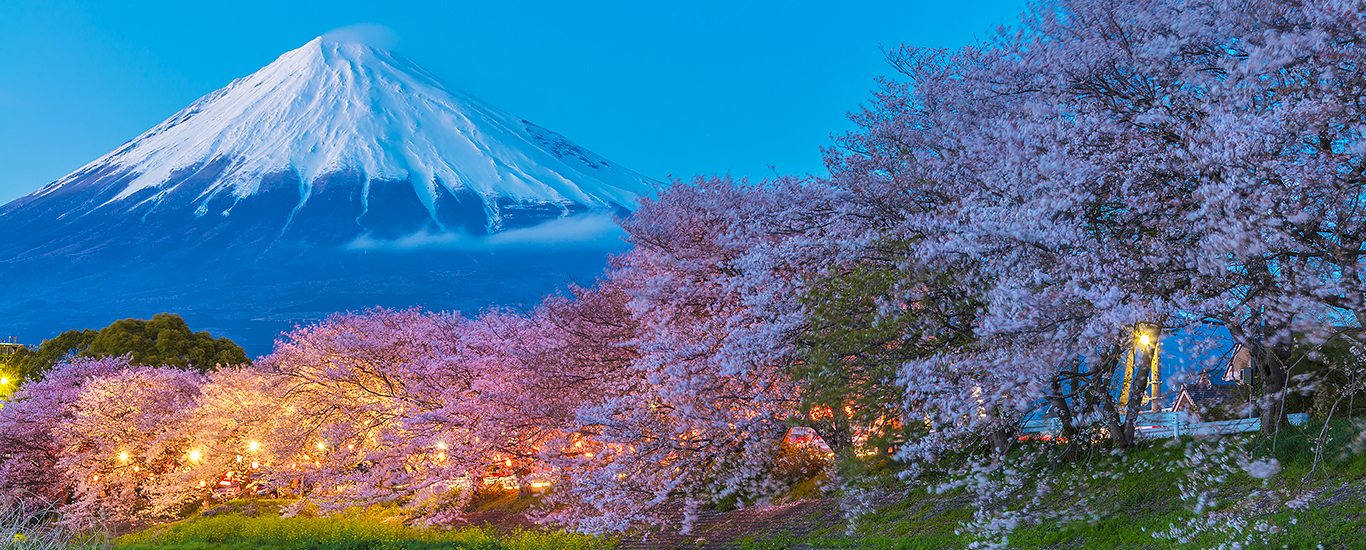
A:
[263,488]
[228,486]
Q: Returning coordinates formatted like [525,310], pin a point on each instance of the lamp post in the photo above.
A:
[1145,358]
[1137,379]
[1140,360]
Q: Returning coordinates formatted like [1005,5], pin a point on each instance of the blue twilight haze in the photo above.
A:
[665,89]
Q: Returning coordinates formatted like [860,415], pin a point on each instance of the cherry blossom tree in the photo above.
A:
[31,424]
[228,432]
[113,442]
[538,369]
[419,408]
[123,449]
[373,402]
[711,285]
[1117,168]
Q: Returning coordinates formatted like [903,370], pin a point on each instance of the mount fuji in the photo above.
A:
[340,176]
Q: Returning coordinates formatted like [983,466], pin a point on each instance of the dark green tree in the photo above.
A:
[863,323]
[31,363]
[165,339]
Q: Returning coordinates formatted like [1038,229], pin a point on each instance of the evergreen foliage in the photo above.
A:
[852,349]
[165,339]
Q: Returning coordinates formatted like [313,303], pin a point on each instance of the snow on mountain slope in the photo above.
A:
[338,177]
[331,108]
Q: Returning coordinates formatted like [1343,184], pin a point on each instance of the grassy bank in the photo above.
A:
[242,525]
[1184,494]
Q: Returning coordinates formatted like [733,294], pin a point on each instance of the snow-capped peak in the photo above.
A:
[336,107]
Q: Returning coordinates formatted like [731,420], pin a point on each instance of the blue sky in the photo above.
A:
[666,89]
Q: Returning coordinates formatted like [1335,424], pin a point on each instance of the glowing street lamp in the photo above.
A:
[253,446]
[194,455]
[1143,362]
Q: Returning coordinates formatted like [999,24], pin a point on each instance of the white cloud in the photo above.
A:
[589,229]
[370,34]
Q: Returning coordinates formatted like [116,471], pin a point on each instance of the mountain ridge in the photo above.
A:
[332,114]
[347,169]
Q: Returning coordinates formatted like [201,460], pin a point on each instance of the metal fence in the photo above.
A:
[1160,425]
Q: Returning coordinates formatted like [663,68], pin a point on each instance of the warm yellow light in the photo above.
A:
[3,381]
[253,446]
[255,465]
[123,457]
[441,445]
[194,455]
[321,445]
[1143,339]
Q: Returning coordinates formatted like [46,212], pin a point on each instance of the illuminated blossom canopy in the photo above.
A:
[1006,222]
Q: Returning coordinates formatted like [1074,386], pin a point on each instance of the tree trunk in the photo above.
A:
[1270,363]
[1143,366]
[1059,402]
[523,482]
[837,433]
[523,487]
[1100,397]
[1001,442]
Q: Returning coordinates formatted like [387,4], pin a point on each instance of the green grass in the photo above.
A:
[371,530]
[1140,498]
